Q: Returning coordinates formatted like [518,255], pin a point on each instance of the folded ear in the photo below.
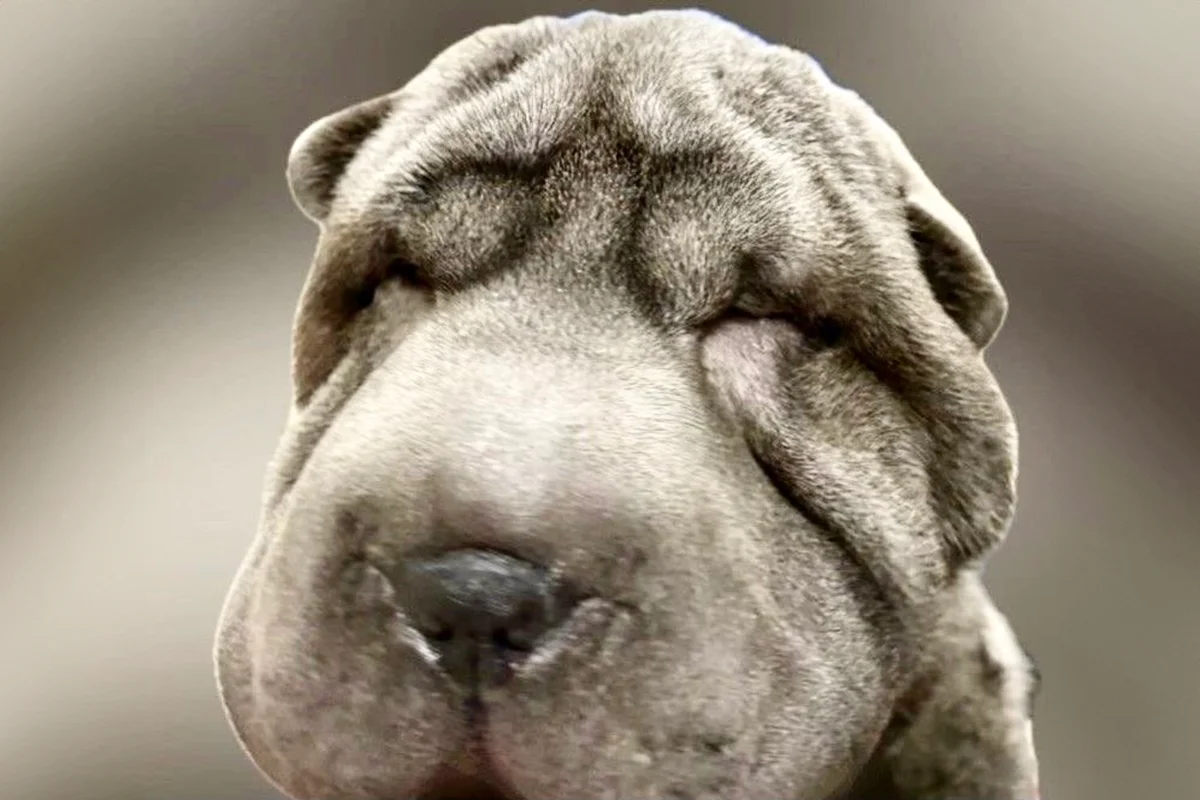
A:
[951,257]
[321,153]
[922,334]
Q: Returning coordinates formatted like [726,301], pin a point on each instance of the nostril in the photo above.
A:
[518,641]
[480,610]
[440,633]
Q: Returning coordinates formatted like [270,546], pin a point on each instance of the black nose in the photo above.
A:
[481,611]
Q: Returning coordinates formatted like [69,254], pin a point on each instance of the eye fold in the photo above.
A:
[361,297]
[820,332]
[405,271]
[825,332]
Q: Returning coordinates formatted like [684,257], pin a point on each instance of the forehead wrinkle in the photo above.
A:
[581,106]
[555,92]
[520,121]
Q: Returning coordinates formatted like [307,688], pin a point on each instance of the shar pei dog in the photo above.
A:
[641,444]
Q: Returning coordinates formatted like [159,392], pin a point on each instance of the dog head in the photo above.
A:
[640,425]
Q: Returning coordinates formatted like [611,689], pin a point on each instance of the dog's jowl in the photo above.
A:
[641,446]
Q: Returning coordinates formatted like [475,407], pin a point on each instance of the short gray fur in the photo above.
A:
[652,302]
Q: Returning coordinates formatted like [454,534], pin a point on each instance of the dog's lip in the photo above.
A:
[592,624]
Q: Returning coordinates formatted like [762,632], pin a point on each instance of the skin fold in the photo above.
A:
[653,303]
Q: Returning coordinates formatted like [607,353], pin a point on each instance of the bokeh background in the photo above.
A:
[150,258]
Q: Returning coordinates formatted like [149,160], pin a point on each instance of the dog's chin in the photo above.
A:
[473,773]
[483,784]
[467,791]
[456,786]
[470,774]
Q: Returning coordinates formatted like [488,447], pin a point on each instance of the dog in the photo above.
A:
[641,445]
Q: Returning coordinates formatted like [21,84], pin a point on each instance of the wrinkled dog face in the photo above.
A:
[641,430]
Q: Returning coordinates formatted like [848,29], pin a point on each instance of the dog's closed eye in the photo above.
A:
[819,332]
[399,271]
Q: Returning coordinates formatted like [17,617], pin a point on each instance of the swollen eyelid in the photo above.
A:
[742,356]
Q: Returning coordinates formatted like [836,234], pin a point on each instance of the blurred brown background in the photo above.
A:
[150,258]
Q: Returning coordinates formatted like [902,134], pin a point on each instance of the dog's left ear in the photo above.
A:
[951,257]
[321,153]
[923,335]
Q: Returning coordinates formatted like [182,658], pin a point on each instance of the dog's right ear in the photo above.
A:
[321,153]
[950,256]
